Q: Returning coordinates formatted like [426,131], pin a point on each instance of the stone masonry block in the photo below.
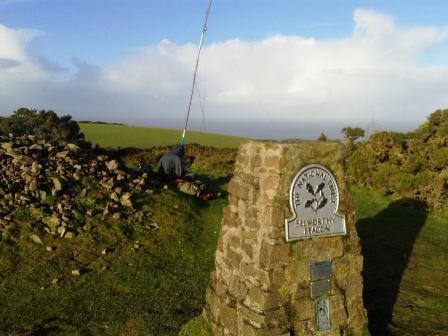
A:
[275,238]
[239,189]
[229,318]
[234,257]
[242,160]
[251,317]
[248,248]
[248,330]
[248,269]
[235,241]
[271,255]
[278,318]
[272,161]
[265,279]
[237,289]
[255,161]
[230,217]
[263,300]
[270,183]
[241,209]
[252,224]
[248,178]
[213,304]
[221,288]
[250,236]
[276,218]
[272,279]
[278,277]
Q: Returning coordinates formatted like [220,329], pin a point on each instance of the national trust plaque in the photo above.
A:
[314,200]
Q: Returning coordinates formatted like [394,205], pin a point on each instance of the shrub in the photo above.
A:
[411,164]
[42,124]
[322,137]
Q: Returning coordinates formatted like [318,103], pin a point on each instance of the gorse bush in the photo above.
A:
[41,124]
[413,164]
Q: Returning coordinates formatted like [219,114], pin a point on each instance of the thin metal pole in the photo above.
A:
[195,71]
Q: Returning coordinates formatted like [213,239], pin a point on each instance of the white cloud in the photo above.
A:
[14,59]
[372,73]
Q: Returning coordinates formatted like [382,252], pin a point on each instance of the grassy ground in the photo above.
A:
[149,290]
[144,137]
[405,266]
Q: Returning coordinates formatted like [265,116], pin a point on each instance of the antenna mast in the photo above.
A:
[204,30]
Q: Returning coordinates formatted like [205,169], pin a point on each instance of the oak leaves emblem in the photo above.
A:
[318,199]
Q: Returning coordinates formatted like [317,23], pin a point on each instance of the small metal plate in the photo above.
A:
[320,287]
[321,270]
[323,313]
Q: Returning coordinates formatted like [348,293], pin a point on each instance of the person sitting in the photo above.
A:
[171,165]
[172,169]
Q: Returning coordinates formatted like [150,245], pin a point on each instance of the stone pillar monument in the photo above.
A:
[288,259]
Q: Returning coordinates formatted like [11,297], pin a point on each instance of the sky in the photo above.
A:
[269,69]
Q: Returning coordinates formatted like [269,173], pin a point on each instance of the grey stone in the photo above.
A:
[112,165]
[35,239]
[57,184]
[62,154]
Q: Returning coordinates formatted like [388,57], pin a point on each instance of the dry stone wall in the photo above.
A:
[52,179]
[261,283]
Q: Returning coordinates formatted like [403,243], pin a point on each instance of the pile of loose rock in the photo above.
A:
[54,178]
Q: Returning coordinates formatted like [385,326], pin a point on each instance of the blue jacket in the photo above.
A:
[170,164]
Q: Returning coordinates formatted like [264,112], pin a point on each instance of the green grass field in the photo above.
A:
[143,137]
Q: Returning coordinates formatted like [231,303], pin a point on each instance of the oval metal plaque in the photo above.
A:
[314,199]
